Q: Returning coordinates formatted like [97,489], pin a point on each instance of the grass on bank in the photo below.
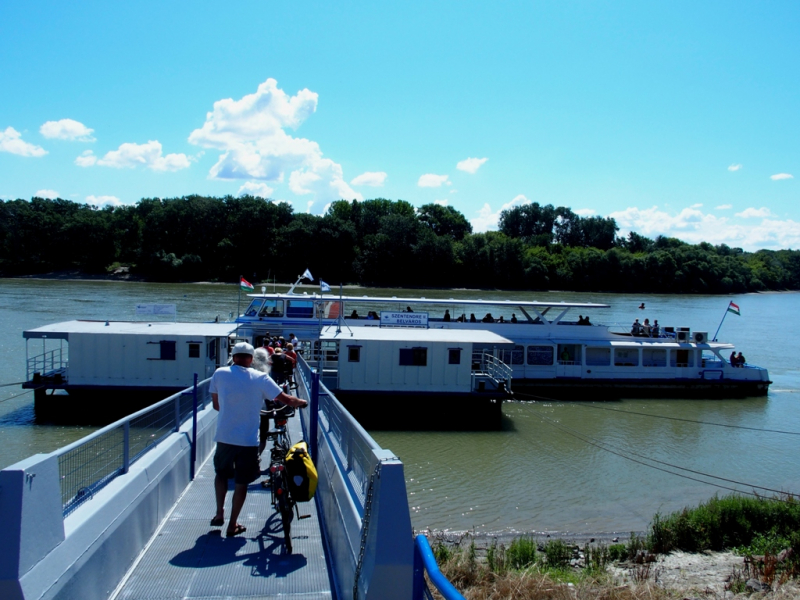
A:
[756,528]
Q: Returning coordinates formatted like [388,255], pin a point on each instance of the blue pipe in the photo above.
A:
[424,560]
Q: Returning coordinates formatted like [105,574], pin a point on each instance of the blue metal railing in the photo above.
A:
[425,563]
[92,462]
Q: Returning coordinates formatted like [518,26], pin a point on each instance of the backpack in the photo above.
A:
[302,475]
[282,364]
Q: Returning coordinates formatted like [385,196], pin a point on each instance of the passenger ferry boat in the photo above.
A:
[553,355]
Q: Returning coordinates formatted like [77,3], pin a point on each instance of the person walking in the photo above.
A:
[238,393]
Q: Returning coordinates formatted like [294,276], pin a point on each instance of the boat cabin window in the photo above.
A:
[569,354]
[413,357]
[328,310]
[167,350]
[515,356]
[626,357]
[682,358]
[354,354]
[541,356]
[598,357]
[212,350]
[654,357]
[299,309]
[254,307]
[194,349]
[271,308]
[454,356]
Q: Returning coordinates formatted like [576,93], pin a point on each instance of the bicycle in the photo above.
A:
[277,483]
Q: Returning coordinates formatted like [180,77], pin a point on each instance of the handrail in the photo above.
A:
[425,562]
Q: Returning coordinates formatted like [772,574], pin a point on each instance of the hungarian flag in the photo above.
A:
[246,285]
[734,308]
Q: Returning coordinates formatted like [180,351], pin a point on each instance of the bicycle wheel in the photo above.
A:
[285,508]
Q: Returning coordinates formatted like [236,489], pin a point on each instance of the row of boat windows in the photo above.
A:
[576,354]
[409,357]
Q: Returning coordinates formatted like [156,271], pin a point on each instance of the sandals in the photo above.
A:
[235,531]
[217,521]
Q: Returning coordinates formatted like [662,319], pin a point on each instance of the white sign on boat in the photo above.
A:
[155,309]
[405,319]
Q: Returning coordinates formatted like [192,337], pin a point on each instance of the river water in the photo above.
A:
[557,467]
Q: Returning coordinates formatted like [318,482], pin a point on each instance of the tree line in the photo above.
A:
[377,242]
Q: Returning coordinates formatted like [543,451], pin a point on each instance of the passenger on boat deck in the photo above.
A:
[586,320]
[408,309]
[655,330]
[447,316]
[462,318]
[238,393]
[646,328]
[472,318]
[293,339]
[354,314]
[636,328]
[488,318]
[501,319]
[291,353]
[513,317]
[734,360]
[282,367]
[741,360]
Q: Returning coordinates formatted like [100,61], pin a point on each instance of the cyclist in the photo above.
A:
[238,392]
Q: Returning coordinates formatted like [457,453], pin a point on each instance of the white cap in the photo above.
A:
[242,348]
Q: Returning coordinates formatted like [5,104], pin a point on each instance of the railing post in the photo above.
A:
[313,406]
[126,447]
[178,412]
[194,427]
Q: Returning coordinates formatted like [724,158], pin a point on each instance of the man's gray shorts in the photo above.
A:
[237,462]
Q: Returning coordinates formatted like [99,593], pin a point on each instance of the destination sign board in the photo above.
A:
[155,309]
[404,319]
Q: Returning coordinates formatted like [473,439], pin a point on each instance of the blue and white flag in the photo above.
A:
[308,275]
[324,287]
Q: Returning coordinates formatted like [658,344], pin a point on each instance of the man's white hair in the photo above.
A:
[260,360]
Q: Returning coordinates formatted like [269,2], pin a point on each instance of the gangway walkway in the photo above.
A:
[189,559]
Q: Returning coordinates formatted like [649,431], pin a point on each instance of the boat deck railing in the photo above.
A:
[91,463]
[48,364]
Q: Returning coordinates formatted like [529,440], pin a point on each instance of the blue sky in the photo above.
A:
[676,119]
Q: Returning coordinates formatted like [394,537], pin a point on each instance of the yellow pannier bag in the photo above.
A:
[302,474]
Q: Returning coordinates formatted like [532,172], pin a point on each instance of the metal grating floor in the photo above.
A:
[188,559]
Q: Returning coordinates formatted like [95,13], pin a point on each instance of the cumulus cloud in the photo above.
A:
[11,141]
[103,200]
[250,133]
[734,167]
[488,220]
[724,206]
[755,213]
[371,178]
[779,176]
[49,194]
[253,188]
[130,155]
[441,202]
[694,226]
[86,159]
[585,212]
[470,165]
[431,180]
[67,129]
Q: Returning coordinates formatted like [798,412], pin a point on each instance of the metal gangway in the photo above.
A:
[124,514]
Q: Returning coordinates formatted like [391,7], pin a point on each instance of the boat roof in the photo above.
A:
[423,300]
[63,329]
[411,334]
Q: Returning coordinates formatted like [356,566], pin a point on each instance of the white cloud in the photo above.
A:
[49,194]
[755,213]
[734,167]
[86,159]
[441,202]
[67,129]
[488,220]
[250,133]
[309,204]
[374,179]
[693,226]
[724,206]
[253,188]
[585,212]
[130,155]
[779,176]
[103,200]
[453,191]
[470,165]
[11,141]
[431,180]
[698,205]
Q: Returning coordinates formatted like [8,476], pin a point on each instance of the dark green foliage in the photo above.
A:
[729,522]
[521,553]
[557,554]
[376,242]
[617,552]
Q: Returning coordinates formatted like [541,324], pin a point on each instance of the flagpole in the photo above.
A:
[239,301]
[720,323]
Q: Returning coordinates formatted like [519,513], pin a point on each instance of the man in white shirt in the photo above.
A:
[238,393]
